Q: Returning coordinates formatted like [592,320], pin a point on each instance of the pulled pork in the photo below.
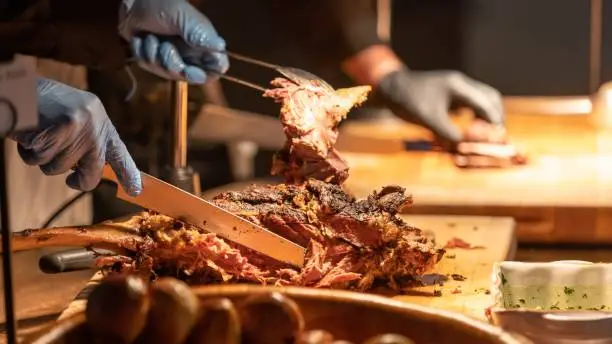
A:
[310,115]
[351,243]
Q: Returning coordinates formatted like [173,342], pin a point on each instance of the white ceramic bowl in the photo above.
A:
[559,302]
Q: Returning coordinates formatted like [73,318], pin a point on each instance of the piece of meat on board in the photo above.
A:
[310,115]
[486,146]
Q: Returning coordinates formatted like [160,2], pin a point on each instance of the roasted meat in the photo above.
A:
[310,115]
[485,145]
[351,243]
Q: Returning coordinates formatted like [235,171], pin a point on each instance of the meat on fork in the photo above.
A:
[310,115]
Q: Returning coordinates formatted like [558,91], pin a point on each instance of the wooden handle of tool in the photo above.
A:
[109,174]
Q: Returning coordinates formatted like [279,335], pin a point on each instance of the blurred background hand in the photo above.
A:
[425,98]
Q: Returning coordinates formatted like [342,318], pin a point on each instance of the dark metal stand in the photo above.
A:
[7,267]
[179,173]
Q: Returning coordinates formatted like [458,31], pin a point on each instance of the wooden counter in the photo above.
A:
[563,195]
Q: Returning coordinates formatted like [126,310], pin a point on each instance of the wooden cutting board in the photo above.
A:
[496,234]
[497,237]
[562,195]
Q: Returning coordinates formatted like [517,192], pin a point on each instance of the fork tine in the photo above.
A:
[299,76]
[251,60]
[242,82]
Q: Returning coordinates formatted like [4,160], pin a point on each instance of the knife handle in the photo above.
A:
[419,145]
[70,260]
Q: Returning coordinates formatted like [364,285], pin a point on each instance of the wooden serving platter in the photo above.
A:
[495,234]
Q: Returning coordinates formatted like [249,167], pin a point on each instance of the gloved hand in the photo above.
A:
[164,33]
[425,98]
[75,132]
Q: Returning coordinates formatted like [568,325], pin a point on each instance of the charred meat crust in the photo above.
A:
[351,243]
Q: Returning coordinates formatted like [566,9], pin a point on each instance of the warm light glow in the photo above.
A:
[602,106]
[570,105]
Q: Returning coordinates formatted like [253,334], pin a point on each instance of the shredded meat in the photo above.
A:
[351,243]
[310,115]
[485,146]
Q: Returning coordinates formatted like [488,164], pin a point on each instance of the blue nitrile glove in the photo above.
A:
[74,131]
[172,39]
[425,98]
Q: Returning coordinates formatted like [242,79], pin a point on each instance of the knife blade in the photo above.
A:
[169,200]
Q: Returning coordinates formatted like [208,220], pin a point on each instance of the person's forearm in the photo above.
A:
[372,64]
[72,31]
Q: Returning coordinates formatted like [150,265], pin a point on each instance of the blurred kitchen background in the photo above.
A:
[521,47]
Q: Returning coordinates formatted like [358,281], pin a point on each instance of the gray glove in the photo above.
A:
[75,132]
[425,98]
[164,33]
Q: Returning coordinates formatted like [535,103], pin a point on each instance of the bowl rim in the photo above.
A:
[240,290]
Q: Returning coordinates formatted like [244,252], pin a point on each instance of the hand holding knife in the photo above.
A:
[169,200]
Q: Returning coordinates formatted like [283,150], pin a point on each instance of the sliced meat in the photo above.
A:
[486,146]
[310,115]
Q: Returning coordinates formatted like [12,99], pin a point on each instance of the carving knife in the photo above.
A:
[169,200]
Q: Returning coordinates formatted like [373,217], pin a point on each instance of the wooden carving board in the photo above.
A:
[563,195]
[496,234]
